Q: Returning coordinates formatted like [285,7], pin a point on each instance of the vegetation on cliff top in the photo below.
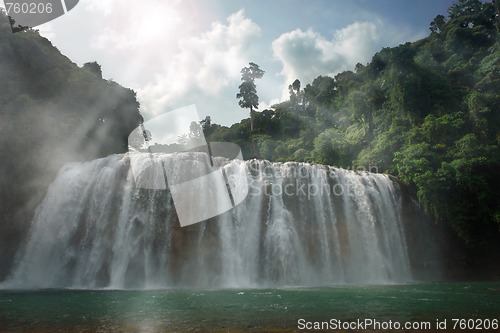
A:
[427,112]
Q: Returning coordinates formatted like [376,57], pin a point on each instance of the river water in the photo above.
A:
[248,310]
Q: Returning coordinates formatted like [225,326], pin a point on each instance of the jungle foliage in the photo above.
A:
[426,112]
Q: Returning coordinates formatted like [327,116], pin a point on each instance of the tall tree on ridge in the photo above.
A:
[248,91]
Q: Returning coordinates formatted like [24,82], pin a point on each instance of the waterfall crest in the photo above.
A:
[299,225]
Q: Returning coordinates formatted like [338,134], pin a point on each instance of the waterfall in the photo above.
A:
[299,225]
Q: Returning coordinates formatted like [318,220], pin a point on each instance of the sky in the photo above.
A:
[175,53]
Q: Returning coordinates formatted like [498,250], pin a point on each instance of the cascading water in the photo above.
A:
[300,225]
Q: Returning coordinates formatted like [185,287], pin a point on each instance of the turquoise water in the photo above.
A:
[235,310]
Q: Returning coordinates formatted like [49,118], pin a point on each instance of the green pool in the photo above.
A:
[251,310]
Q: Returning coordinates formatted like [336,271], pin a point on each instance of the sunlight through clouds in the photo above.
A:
[179,52]
[142,27]
[205,66]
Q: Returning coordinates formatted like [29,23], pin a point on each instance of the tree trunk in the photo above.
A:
[251,119]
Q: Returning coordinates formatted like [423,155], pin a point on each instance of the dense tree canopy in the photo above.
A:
[427,112]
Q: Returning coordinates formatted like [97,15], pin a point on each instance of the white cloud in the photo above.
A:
[162,50]
[204,68]
[104,7]
[307,54]
[168,52]
[153,22]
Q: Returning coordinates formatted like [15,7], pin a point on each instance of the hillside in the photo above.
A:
[426,112]
[51,112]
